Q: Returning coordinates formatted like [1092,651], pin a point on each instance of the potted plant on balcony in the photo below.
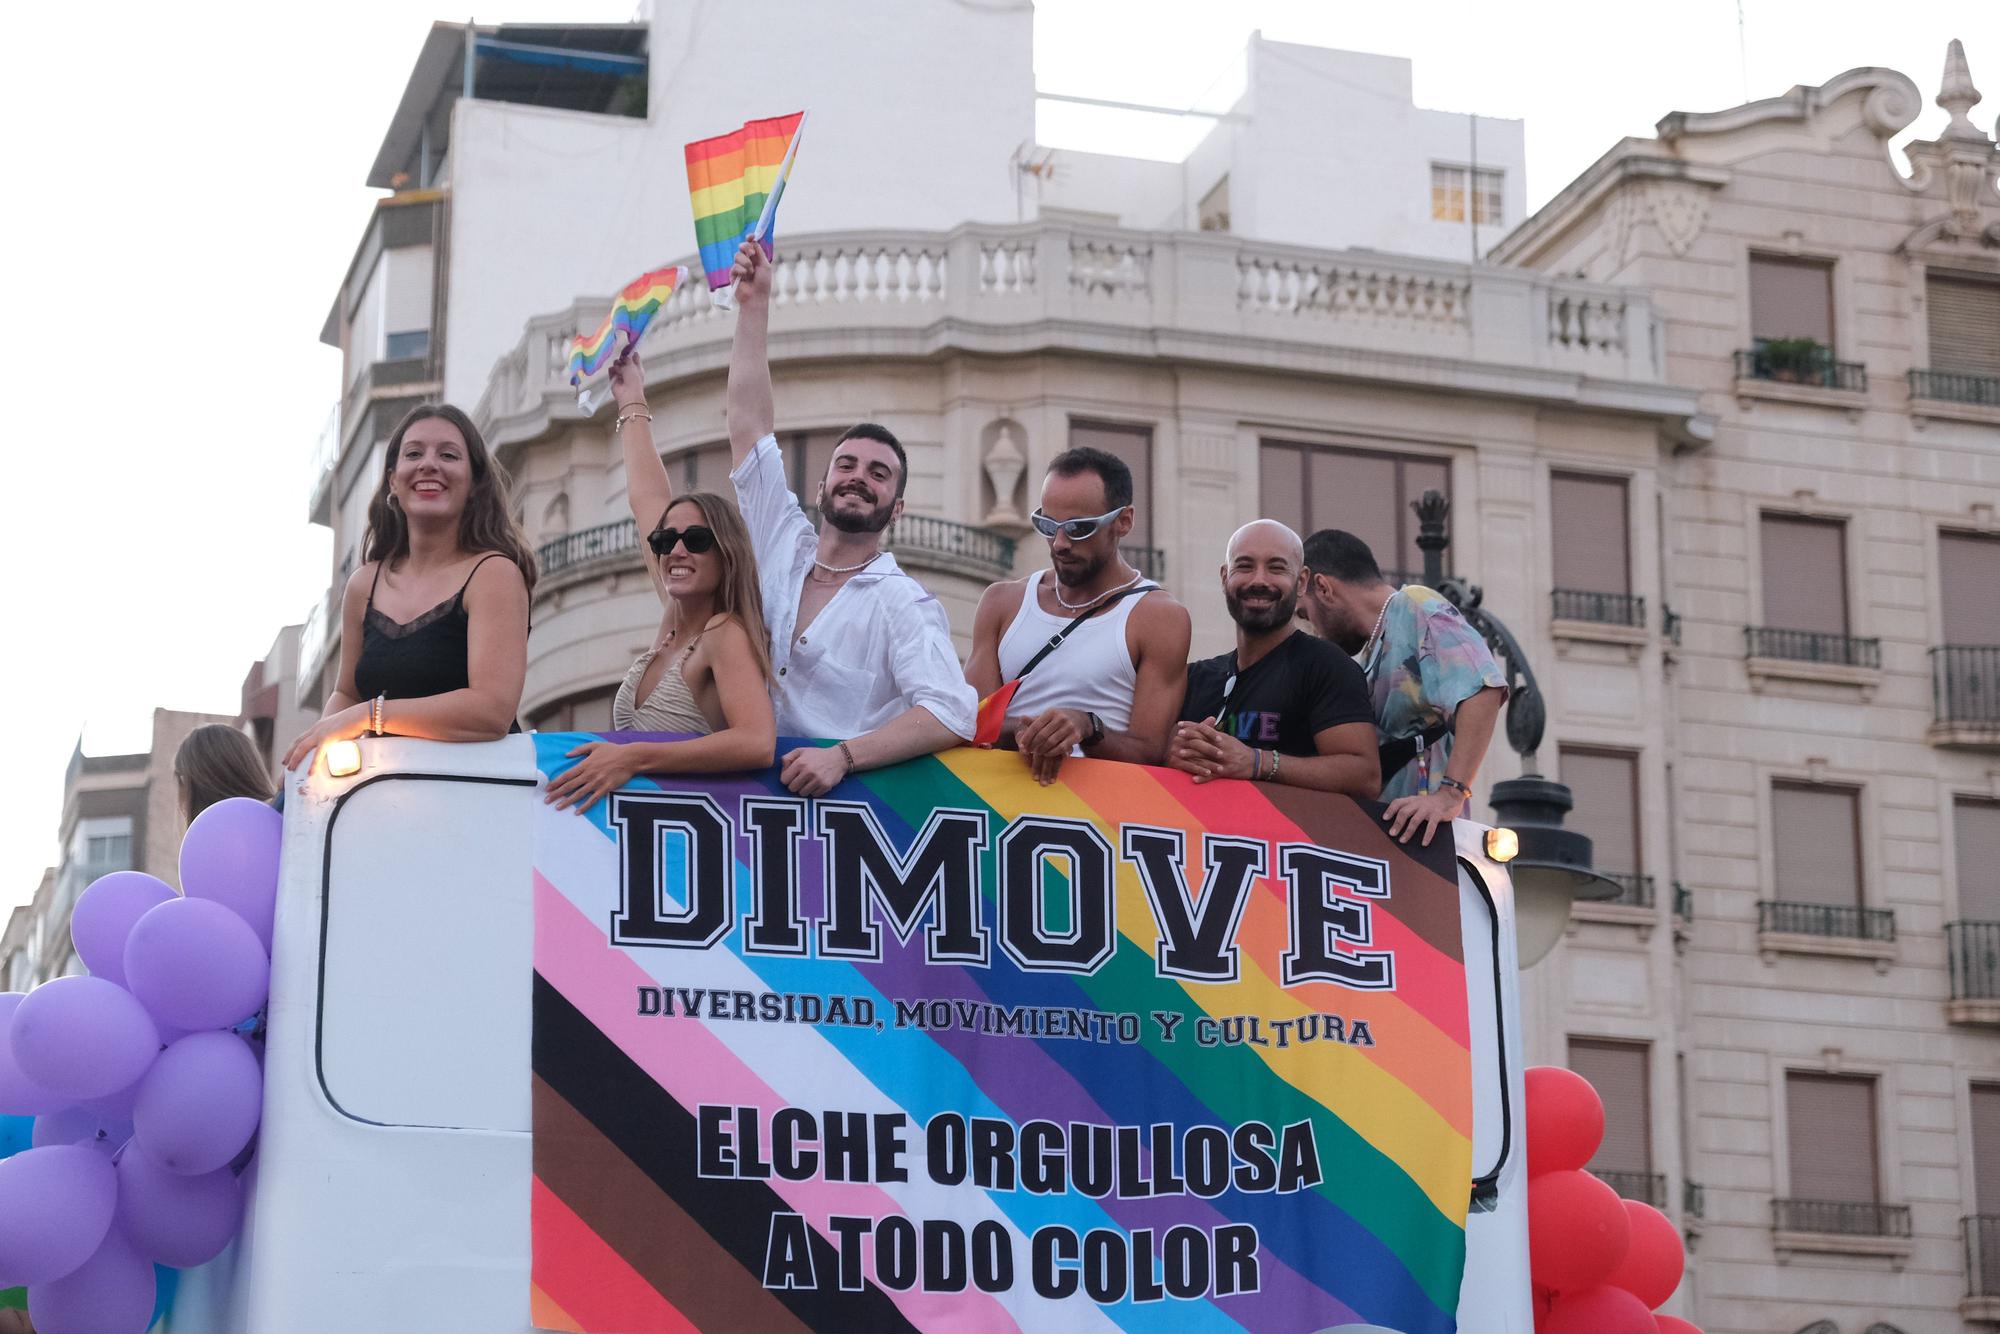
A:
[1794,360]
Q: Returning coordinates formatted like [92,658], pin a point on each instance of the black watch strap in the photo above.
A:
[1096,729]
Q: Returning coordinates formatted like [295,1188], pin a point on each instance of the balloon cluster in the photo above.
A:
[145,1095]
[1601,1264]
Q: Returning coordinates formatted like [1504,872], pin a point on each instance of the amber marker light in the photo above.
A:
[1503,845]
[343,760]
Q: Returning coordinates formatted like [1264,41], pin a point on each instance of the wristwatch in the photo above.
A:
[1096,730]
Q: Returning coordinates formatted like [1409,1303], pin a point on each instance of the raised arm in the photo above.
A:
[648,489]
[752,413]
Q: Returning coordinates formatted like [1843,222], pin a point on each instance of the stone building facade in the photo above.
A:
[1813,760]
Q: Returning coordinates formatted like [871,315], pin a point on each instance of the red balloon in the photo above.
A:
[1577,1230]
[1600,1310]
[1673,1324]
[1654,1260]
[1565,1119]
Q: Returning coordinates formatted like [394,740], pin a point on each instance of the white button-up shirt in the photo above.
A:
[881,645]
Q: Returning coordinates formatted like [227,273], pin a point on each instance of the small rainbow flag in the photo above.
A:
[735,181]
[638,301]
[993,713]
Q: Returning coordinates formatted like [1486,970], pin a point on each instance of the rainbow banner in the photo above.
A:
[638,301]
[947,1050]
[736,181]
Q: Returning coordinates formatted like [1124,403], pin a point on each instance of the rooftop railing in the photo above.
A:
[1763,641]
[1576,604]
[1956,387]
[1824,919]
[1842,1218]
[1058,285]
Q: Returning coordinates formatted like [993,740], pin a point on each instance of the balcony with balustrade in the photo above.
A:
[1982,1268]
[1955,395]
[1846,1227]
[1811,655]
[1965,696]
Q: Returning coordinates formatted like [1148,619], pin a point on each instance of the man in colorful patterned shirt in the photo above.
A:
[1429,674]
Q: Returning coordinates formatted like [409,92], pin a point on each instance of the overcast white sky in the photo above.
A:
[186,191]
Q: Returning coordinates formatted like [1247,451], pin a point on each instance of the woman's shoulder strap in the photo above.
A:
[475,569]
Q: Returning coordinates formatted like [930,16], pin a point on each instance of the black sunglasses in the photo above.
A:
[696,539]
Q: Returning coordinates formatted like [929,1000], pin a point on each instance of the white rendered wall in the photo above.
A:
[915,117]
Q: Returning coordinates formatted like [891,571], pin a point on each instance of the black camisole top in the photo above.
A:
[418,658]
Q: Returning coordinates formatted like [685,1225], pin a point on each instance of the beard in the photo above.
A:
[848,521]
[1082,572]
[1259,619]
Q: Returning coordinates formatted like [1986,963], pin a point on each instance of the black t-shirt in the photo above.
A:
[1289,696]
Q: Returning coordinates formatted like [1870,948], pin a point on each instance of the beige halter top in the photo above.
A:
[670,708]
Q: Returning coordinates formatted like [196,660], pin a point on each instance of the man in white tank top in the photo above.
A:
[1112,689]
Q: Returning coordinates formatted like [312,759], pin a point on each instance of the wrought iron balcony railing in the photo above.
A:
[1982,1255]
[1683,902]
[1634,891]
[1965,684]
[1576,604]
[989,552]
[1955,387]
[1764,641]
[1825,919]
[1973,949]
[1670,625]
[1694,1202]
[1844,1218]
[1645,1187]
[1818,367]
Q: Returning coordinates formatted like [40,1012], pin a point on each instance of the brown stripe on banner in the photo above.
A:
[1423,882]
[644,1225]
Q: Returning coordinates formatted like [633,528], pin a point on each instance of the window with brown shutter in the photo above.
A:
[1816,844]
[1133,445]
[1969,586]
[1592,544]
[1364,492]
[1830,1126]
[1618,1071]
[1976,843]
[1986,1149]
[1963,313]
[1805,573]
[1605,787]
[1791,298]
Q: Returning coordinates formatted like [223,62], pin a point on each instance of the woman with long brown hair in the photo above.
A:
[216,762]
[434,625]
[708,673]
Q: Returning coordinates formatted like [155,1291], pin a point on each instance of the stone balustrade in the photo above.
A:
[1201,296]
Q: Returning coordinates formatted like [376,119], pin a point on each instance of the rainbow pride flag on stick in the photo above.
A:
[638,301]
[735,181]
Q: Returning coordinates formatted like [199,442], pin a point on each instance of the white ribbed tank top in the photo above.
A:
[1092,670]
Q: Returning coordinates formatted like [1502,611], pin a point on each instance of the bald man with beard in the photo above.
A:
[1284,706]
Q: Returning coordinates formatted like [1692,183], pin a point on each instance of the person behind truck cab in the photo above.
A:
[434,624]
[708,673]
[1436,689]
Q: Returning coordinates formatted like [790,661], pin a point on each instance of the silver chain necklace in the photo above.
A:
[846,569]
[1061,601]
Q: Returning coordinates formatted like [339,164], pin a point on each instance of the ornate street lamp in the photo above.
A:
[1552,869]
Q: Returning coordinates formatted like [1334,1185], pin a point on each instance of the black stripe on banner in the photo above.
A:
[609,1090]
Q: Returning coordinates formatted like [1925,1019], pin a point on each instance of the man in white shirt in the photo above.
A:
[859,649]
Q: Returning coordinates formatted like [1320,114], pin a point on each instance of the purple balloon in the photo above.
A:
[230,855]
[83,1037]
[180,1221]
[113,1293]
[199,1104]
[116,1107]
[104,915]
[20,1095]
[196,965]
[55,1207]
[85,1126]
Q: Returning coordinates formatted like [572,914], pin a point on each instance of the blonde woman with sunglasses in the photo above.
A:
[707,676]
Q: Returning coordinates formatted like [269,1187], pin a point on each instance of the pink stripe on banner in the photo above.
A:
[574,957]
